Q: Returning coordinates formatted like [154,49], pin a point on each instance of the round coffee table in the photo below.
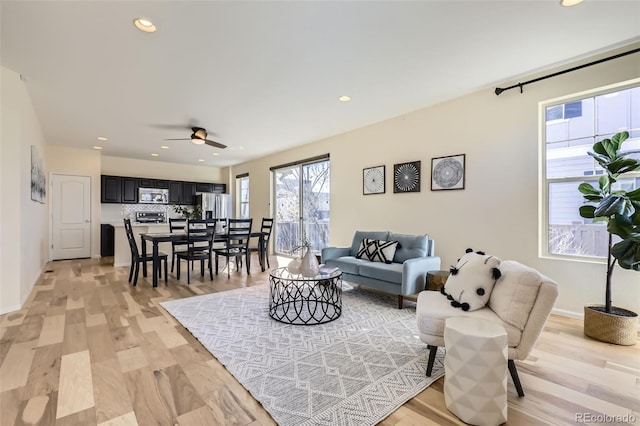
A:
[299,300]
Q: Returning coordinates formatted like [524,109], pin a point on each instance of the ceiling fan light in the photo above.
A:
[197,141]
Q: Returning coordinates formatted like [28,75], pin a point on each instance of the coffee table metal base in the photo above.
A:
[304,301]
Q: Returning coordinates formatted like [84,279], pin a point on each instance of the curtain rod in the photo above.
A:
[520,85]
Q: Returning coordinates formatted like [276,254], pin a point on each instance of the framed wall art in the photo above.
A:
[38,179]
[373,180]
[406,177]
[447,172]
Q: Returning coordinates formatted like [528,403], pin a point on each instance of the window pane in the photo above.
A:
[568,140]
[569,233]
[315,193]
[287,208]
[244,211]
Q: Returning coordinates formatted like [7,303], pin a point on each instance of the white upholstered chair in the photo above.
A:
[521,302]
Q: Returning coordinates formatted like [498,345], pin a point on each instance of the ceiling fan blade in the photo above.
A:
[181,139]
[170,126]
[214,144]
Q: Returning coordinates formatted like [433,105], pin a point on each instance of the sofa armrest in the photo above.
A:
[329,253]
[414,273]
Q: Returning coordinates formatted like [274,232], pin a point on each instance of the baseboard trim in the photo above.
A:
[10,309]
[569,314]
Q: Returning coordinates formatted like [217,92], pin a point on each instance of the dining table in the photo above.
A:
[162,237]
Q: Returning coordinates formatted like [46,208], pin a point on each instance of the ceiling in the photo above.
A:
[265,76]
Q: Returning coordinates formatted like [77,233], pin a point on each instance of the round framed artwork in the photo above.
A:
[447,172]
[406,177]
[373,180]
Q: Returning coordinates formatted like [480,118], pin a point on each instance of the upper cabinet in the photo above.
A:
[175,192]
[124,190]
[188,193]
[129,190]
[110,188]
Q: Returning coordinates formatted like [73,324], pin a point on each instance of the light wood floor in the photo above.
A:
[90,349]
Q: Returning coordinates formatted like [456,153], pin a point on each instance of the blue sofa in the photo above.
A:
[405,276]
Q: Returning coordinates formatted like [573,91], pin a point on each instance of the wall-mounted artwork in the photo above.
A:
[406,177]
[373,180]
[38,179]
[447,172]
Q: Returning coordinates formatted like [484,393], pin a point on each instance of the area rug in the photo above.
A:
[355,370]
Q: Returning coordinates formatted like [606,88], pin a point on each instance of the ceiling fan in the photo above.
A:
[198,137]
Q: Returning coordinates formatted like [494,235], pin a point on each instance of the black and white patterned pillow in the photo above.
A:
[377,250]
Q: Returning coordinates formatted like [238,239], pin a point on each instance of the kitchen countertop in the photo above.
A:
[134,224]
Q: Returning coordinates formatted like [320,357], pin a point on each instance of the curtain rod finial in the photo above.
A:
[498,91]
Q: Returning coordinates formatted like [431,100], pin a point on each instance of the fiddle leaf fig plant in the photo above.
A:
[620,209]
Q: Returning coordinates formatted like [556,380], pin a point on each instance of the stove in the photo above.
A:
[150,217]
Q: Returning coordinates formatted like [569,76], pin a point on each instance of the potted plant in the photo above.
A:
[196,213]
[620,209]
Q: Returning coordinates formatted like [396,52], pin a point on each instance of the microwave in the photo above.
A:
[153,196]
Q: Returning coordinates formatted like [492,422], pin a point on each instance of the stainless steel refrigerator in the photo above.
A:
[214,206]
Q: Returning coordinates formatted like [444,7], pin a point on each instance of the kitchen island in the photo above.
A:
[122,252]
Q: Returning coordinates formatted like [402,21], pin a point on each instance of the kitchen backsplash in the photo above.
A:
[117,212]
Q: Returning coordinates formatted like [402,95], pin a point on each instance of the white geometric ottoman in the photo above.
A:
[475,381]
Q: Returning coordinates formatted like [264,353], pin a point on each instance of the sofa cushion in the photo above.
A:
[360,235]
[433,309]
[409,246]
[391,272]
[377,250]
[347,264]
[515,293]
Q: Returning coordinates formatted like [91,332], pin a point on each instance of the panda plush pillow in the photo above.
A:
[471,281]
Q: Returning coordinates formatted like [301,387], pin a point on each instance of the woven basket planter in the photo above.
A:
[611,328]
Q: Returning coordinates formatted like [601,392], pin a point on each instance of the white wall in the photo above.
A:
[498,209]
[24,229]
[82,162]
[118,166]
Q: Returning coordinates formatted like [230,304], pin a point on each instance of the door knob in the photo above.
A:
[87,221]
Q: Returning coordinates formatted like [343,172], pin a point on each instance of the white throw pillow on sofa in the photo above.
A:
[377,250]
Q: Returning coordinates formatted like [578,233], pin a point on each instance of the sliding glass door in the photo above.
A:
[302,205]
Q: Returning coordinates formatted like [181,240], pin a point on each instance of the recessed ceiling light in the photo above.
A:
[344,98]
[164,147]
[200,159]
[154,155]
[145,25]
[241,147]
[97,147]
[569,3]
[101,138]
[216,153]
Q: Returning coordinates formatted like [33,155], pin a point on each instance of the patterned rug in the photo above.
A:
[355,370]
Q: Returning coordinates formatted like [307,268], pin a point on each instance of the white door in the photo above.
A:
[71,216]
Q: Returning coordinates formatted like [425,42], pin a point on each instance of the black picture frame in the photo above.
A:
[406,177]
[373,180]
[448,173]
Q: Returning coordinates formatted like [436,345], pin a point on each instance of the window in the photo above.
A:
[571,127]
[242,184]
[301,200]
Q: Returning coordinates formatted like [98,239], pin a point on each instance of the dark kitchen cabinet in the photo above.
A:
[188,193]
[204,187]
[146,183]
[175,192]
[129,190]
[164,184]
[110,189]
[219,188]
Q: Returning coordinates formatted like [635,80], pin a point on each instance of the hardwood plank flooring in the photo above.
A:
[89,349]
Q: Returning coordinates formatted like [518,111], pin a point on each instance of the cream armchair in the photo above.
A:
[521,302]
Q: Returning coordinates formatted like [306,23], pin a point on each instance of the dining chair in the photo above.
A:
[199,243]
[262,248]
[236,244]
[137,258]
[175,225]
